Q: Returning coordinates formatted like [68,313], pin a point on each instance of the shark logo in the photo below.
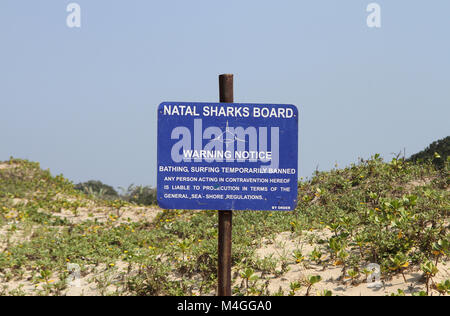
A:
[228,137]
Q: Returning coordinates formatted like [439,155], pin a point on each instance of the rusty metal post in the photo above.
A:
[225,217]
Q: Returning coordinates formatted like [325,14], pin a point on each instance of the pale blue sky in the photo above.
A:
[83,102]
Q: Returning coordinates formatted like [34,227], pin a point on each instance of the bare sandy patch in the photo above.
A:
[286,243]
[104,214]
[4,166]
[92,281]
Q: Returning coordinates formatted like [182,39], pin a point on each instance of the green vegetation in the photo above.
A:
[394,214]
[438,153]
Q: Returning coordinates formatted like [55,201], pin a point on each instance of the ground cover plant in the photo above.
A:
[394,214]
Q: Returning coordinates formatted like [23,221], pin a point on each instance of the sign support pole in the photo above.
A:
[225,217]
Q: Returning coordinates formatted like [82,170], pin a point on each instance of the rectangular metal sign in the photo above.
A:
[223,156]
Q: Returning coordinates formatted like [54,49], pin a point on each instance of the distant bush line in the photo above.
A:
[437,153]
[142,195]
